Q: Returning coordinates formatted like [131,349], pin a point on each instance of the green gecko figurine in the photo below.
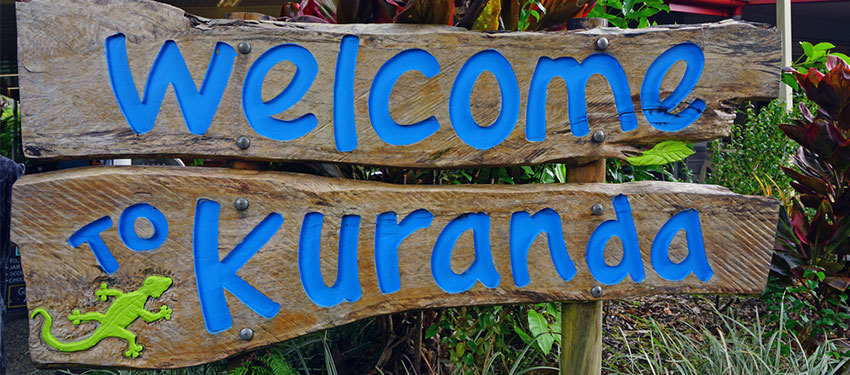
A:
[121,313]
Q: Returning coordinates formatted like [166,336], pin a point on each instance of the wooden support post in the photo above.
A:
[581,322]
[783,23]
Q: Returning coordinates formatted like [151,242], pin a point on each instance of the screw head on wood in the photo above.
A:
[602,43]
[241,204]
[243,142]
[598,136]
[244,48]
[597,209]
[596,291]
[246,334]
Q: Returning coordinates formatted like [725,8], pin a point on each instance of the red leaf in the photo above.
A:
[799,223]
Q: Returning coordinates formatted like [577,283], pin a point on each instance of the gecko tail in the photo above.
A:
[52,341]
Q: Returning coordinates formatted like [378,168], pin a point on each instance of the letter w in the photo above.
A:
[198,106]
[213,276]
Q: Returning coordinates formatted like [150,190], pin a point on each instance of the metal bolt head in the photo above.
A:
[597,209]
[243,142]
[244,48]
[596,291]
[602,43]
[598,136]
[246,334]
[241,204]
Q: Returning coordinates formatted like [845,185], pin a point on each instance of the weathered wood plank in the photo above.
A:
[581,322]
[50,207]
[70,111]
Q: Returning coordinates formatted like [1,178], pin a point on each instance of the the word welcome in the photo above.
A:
[199,106]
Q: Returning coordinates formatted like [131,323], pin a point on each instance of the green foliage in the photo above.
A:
[10,129]
[754,151]
[812,253]
[545,326]
[814,57]
[473,335]
[531,8]
[663,153]
[738,348]
[799,308]
[619,171]
[628,13]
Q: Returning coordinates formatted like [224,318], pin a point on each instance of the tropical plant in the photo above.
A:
[812,253]
[749,161]
[814,56]
[629,13]
[483,15]
[10,129]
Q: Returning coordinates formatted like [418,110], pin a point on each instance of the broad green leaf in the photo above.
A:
[431,331]
[663,153]
[522,335]
[790,80]
[540,329]
[824,46]
[627,7]
[808,49]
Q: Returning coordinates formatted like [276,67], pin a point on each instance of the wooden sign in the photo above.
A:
[95,84]
[305,253]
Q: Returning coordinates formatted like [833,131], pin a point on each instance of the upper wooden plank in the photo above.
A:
[70,111]
[737,232]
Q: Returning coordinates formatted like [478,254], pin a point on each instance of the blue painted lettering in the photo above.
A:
[127,230]
[345,131]
[696,261]
[388,236]
[91,234]
[624,229]
[379,98]
[347,285]
[473,134]
[198,106]
[259,113]
[213,275]
[575,75]
[524,230]
[483,268]
[657,112]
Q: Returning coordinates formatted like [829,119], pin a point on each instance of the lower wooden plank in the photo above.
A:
[49,208]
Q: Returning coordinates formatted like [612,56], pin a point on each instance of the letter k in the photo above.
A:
[213,276]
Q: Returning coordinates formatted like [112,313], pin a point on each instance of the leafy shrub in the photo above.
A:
[812,254]
[629,13]
[10,129]
[484,15]
[755,151]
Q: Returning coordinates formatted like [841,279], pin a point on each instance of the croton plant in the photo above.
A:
[484,15]
[812,246]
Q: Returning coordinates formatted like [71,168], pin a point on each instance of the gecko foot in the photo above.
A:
[165,311]
[134,350]
[75,317]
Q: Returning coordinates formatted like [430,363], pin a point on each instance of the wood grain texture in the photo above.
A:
[69,110]
[581,322]
[581,335]
[49,207]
